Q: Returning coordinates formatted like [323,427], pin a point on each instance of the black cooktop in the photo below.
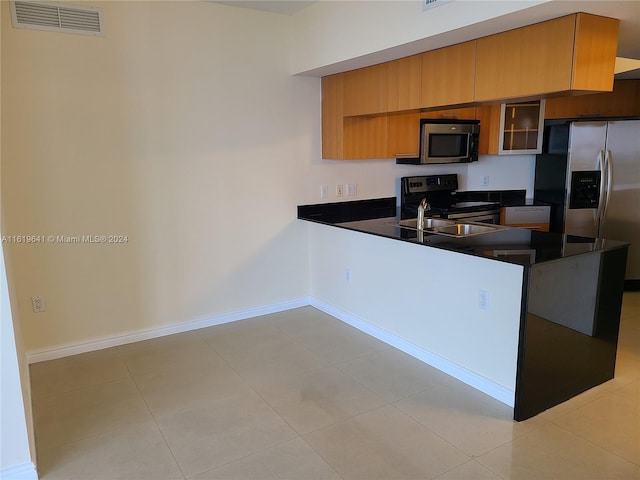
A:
[440,192]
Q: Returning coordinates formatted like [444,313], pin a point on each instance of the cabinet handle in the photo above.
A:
[406,155]
[449,115]
[590,114]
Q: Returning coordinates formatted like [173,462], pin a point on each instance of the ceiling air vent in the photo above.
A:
[57,17]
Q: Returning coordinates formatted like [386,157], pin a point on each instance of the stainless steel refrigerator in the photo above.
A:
[590,173]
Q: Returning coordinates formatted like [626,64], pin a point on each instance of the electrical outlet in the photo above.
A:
[347,275]
[352,189]
[485,181]
[339,190]
[483,300]
[38,304]
[324,191]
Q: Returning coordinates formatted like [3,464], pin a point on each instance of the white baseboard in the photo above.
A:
[465,375]
[100,343]
[26,471]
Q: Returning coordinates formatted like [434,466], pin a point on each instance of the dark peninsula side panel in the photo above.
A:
[570,336]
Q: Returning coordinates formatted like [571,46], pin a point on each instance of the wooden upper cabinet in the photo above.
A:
[553,56]
[466,113]
[365,90]
[595,48]
[448,75]
[332,116]
[347,138]
[623,101]
[489,116]
[373,112]
[386,87]
[403,82]
[365,137]
[403,135]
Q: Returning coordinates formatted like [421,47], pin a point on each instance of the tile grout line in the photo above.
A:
[77,389]
[322,457]
[302,435]
[470,457]
[339,368]
[471,460]
[591,442]
[93,435]
[299,435]
[164,438]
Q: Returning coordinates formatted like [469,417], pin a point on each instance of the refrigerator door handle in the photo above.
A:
[601,197]
[608,161]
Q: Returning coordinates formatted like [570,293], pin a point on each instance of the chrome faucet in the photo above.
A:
[423,207]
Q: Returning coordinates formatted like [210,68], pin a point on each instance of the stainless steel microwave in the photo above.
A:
[446,141]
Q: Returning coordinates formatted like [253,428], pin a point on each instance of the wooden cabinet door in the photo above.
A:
[595,47]
[531,60]
[448,75]
[365,90]
[624,101]
[347,138]
[332,116]
[404,83]
[489,116]
[403,133]
[386,87]
[365,137]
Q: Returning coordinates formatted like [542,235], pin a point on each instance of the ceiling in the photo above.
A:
[627,11]
[285,7]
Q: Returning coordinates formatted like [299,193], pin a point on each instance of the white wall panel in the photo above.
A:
[424,295]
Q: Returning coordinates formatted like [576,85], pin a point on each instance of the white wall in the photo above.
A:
[331,32]
[181,129]
[505,172]
[16,423]
[426,296]
[380,178]
[17,443]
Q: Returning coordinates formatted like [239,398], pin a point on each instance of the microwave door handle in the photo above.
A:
[471,144]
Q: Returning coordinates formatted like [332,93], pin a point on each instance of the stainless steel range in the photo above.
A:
[440,192]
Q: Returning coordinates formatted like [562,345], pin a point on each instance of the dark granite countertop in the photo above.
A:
[503,197]
[506,198]
[513,245]
[527,202]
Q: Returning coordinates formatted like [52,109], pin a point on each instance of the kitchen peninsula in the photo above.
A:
[530,318]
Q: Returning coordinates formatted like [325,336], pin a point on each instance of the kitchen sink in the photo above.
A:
[429,223]
[450,227]
[467,229]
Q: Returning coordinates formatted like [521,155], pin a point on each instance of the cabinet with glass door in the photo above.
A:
[521,127]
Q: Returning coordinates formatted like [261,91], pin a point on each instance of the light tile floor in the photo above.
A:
[301,395]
